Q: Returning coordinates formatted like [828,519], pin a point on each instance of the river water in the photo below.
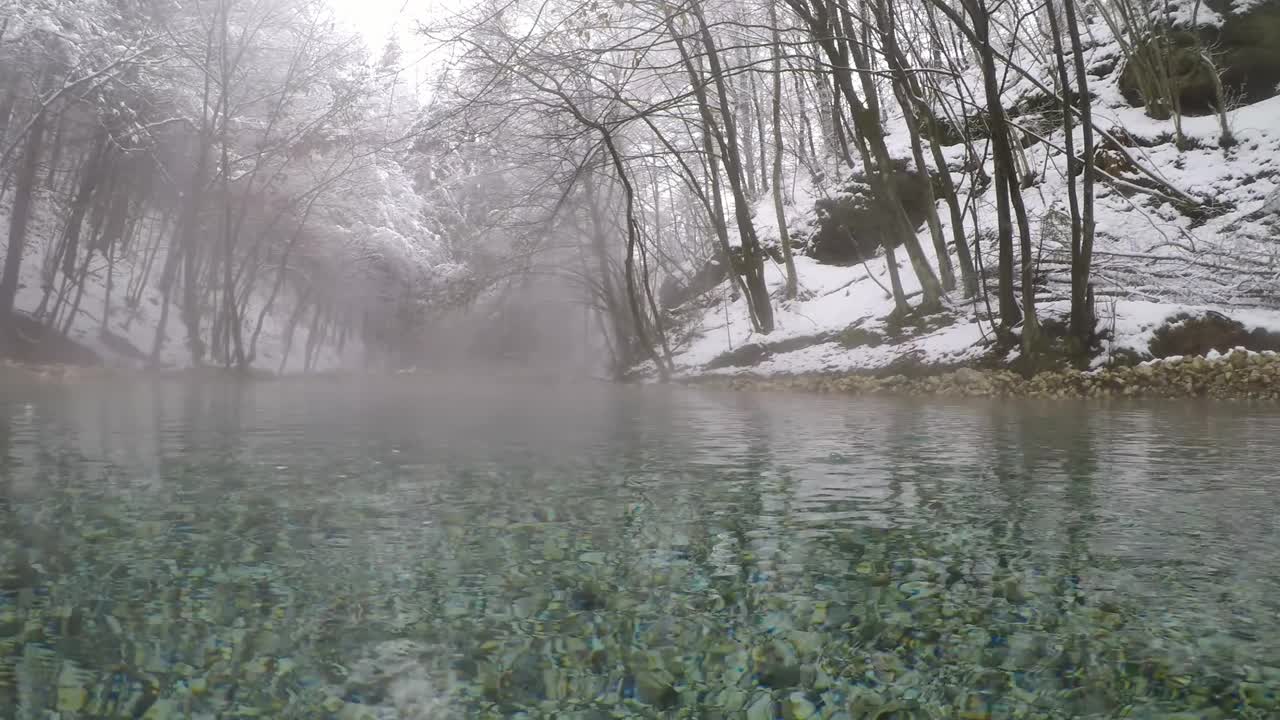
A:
[415,549]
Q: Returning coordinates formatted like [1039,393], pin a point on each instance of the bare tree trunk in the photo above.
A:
[968,275]
[762,142]
[190,261]
[742,118]
[106,297]
[618,321]
[750,286]
[64,254]
[871,130]
[904,93]
[629,268]
[194,201]
[23,199]
[1083,320]
[1030,325]
[778,207]
[139,276]
[74,309]
[752,256]
[279,283]
[315,334]
[1010,313]
[806,132]
[167,277]
[828,111]
[55,152]
[9,87]
[932,126]
[318,336]
[871,142]
[291,326]
[870,138]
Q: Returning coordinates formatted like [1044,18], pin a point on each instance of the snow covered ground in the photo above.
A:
[1152,261]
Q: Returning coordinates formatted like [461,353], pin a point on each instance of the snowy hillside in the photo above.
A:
[1153,260]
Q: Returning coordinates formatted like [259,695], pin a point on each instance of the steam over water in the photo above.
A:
[458,549]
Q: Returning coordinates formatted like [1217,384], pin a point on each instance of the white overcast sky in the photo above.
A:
[377,19]
[374,18]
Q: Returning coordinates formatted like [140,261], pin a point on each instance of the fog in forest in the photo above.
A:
[631,188]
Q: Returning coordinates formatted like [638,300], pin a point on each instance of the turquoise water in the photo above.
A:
[311,549]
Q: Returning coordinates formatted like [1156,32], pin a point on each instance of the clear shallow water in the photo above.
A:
[412,550]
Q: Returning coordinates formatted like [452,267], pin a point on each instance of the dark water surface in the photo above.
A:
[310,549]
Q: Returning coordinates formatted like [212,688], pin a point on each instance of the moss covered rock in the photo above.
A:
[853,225]
[1248,44]
[1244,50]
[1199,335]
[1181,53]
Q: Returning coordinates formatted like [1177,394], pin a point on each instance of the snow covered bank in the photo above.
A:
[842,324]
[1239,375]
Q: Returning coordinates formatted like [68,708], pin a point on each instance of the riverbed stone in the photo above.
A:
[798,707]
[761,707]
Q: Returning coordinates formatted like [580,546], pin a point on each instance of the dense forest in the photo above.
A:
[244,183]
[184,175]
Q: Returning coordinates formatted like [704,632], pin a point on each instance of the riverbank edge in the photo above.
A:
[1237,375]
[49,372]
[56,372]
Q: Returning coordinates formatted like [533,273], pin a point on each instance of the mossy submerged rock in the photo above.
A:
[1238,375]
